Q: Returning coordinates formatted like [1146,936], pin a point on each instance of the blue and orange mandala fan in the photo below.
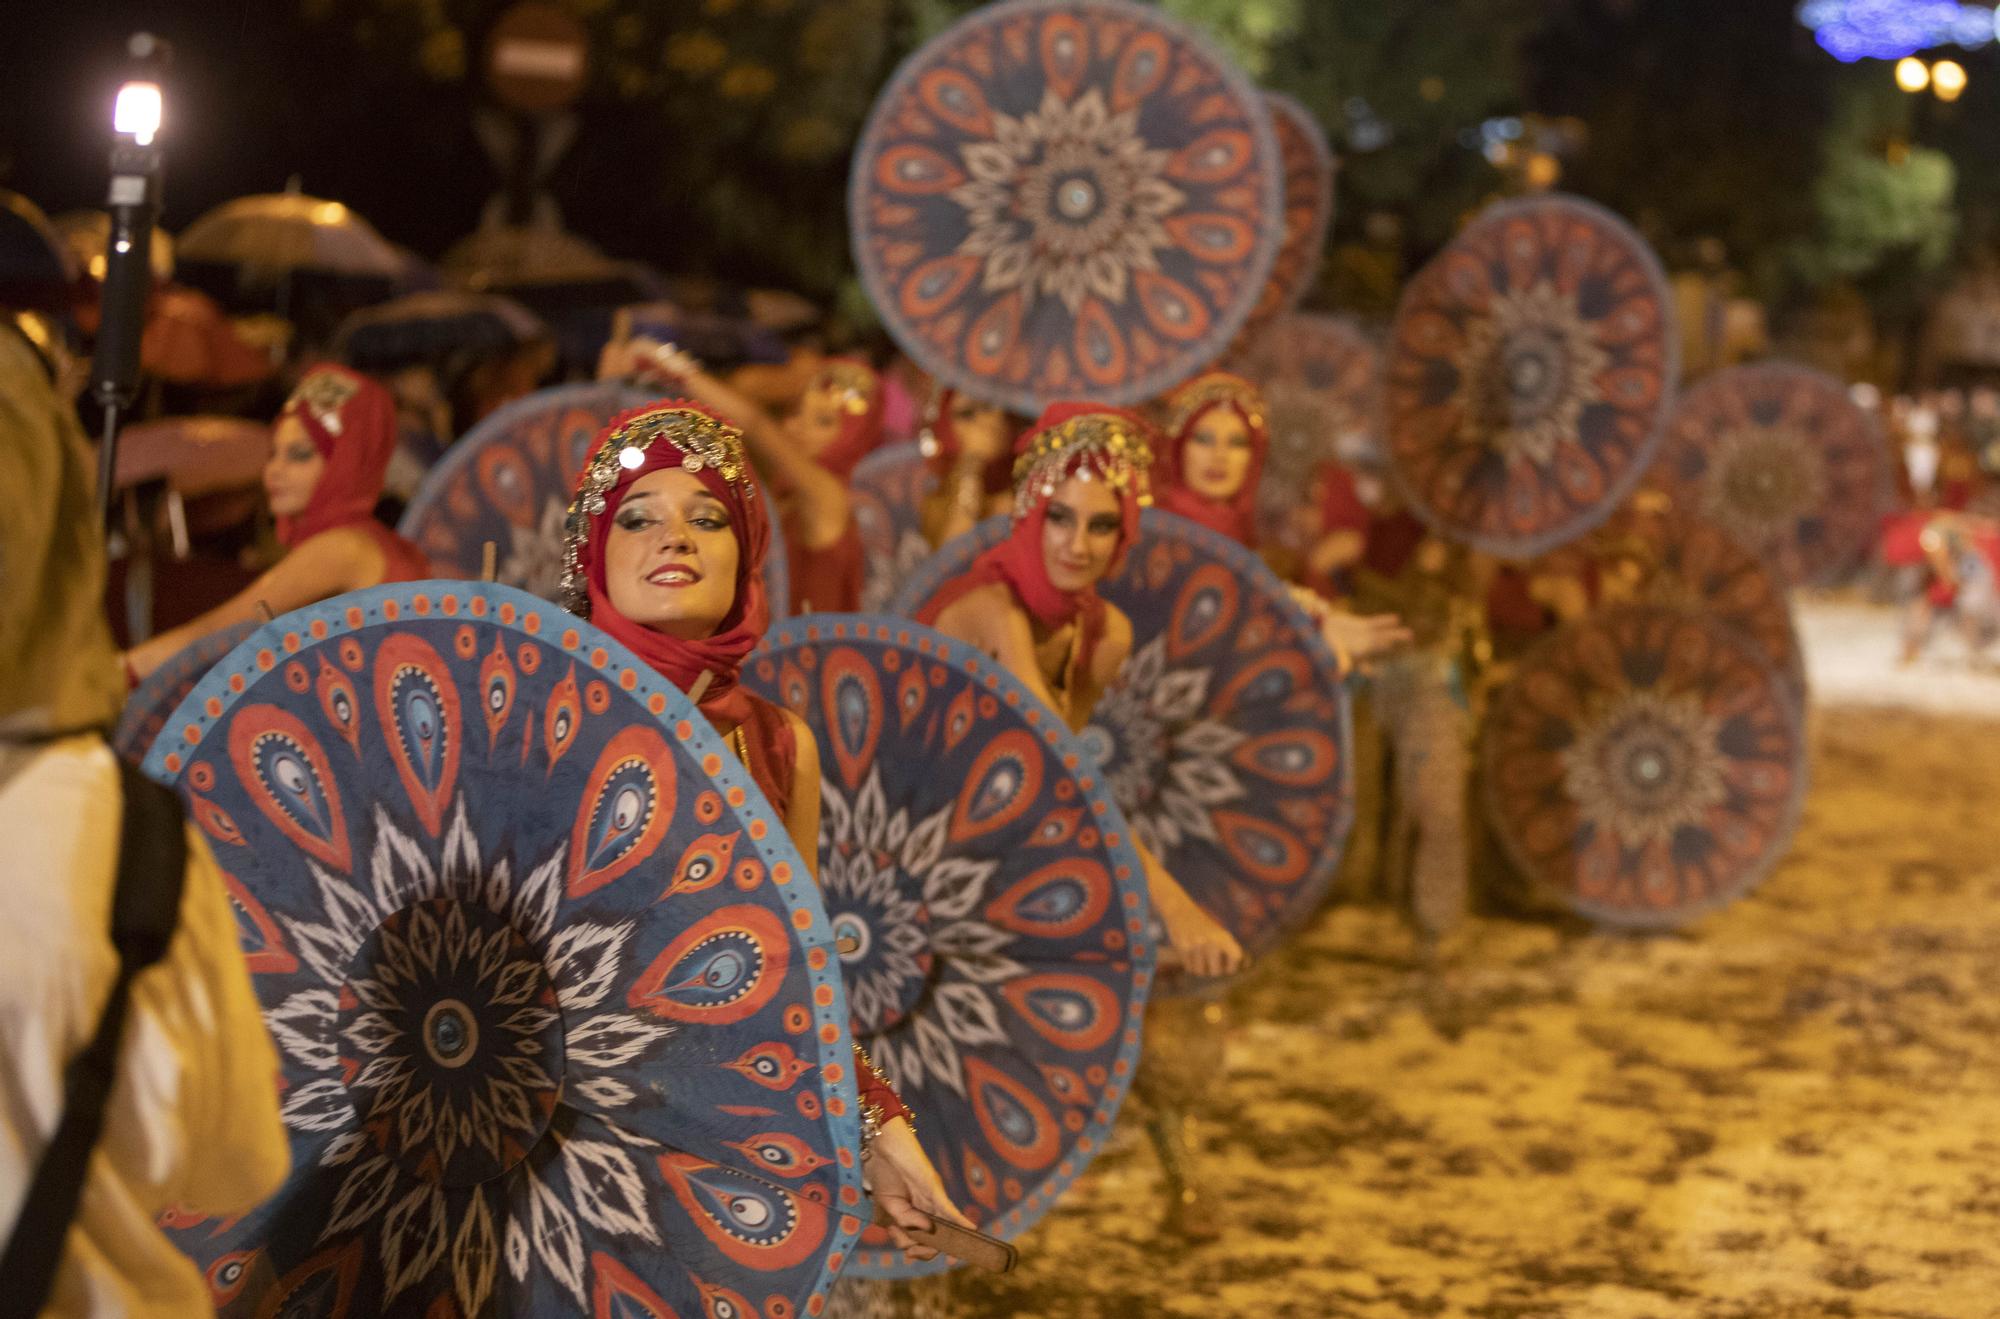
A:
[555,998]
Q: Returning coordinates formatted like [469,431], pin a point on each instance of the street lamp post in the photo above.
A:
[137,174]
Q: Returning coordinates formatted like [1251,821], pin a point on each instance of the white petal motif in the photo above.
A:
[609,1193]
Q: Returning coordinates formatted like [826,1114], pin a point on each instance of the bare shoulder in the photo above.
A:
[1117,633]
[979,615]
[806,748]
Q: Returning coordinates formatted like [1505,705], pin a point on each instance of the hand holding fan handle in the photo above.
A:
[912,1204]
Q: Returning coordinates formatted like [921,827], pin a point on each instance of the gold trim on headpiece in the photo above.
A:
[324,393]
[852,384]
[1117,446]
[1207,390]
[703,442]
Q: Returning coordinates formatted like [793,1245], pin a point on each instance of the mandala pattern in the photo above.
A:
[1066,199]
[555,998]
[889,487]
[1321,378]
[1782,459]
[1309,171]
[508,484]
[1225,739]
[1531,367]
[990,916]
[1684,562]
[1646,765]
[154,701]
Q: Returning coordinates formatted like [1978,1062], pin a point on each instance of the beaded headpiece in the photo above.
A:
[703,443]
[853,384]
[1208,390]
[1111,444]
[322,395]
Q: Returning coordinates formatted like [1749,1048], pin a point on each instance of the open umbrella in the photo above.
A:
[1066,200]
[1645,765]
[194,455]
[554,996]
[88,233]
[1782,459]
[988,907]
[1309,172]
[1530,372]
[423,328]
[1225,738]
[280,232]
[1321,378]
[508,484]
[36,269]
[889,487]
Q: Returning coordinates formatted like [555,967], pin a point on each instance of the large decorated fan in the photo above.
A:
[1645,765]
[153,701]
[889,487]
[990,910]
[1681,560]
[1529,376]
[1309,171]
[1225,737]
[1782,459]
[508,484]
[555,997]
[1066,200]
[1321,378]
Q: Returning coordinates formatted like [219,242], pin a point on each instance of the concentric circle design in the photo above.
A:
[889,487]
[1225,739]
[1321,377]
[154,701]
[508,483]
[1309,174]
[986,903]
[1780,458]
[1058,199]
[1645,765]
[558,1009]
[1530,371]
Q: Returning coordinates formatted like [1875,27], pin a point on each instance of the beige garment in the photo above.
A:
[193,1117]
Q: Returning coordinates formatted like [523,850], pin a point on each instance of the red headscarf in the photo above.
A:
[724,473]
[1235,517]
[1046,456]
[351,420]
[942,445]
[858,390]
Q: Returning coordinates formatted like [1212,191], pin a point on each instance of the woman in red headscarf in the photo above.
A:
[665,551]
[330,450]
[969,446]
[808,457]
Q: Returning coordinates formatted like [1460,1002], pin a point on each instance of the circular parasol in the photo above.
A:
[154,700]
[1782,459]
[35,264]
[508,483]
[1309,171]
[553,994]
[1321,378]
[422,328]
[194,455]
[1685,562]
[889,487]
[1529,375]
[285,231]
[1225,738]
[1066,200]
[1645,765]
[991,916]
[88,233]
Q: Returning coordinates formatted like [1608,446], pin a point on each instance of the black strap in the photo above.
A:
[145,908]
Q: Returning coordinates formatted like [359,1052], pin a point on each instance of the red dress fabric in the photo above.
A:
[827,580]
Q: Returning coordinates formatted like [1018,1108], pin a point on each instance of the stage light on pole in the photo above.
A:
[138,112]
[1948,79]
[1912,74]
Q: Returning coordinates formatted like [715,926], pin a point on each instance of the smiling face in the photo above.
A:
[1080,533]
[1215,461]
[671,556]
[293,470]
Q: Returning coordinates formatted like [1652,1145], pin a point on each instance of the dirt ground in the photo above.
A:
[1789,1111]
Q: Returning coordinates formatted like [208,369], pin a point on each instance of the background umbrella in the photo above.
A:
[1645,765]
[88,233]
[1225,739]
[721,342]
[1782,459]
[553,993]
[1529,376]
[424,328]
[154,701]
[508,482]
[1309,172]
[889,487]
[36,269]
[194,455]
[1066,200]
[1321,377]
[977,871]
[280,232]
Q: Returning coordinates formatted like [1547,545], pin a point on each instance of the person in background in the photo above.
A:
[192,1119]
[969,446]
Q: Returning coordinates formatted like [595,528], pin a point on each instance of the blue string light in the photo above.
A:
[1852,30]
